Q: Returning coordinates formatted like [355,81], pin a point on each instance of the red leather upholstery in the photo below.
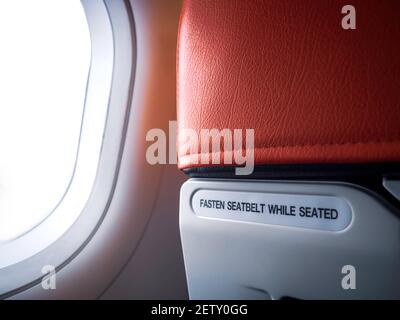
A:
[312,91]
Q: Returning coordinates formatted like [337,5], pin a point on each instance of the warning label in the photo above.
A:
[278,209]
[310,211]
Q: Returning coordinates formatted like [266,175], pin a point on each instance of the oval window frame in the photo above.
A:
[60,247]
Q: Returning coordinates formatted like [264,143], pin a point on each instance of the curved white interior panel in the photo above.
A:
[128,192]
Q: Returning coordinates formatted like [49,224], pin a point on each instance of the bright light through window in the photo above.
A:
[44,65]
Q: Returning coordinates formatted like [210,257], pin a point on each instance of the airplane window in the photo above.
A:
[44,64]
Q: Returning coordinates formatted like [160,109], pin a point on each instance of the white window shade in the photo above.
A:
[44,65]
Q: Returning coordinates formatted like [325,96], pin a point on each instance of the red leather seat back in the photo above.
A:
[312,91]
